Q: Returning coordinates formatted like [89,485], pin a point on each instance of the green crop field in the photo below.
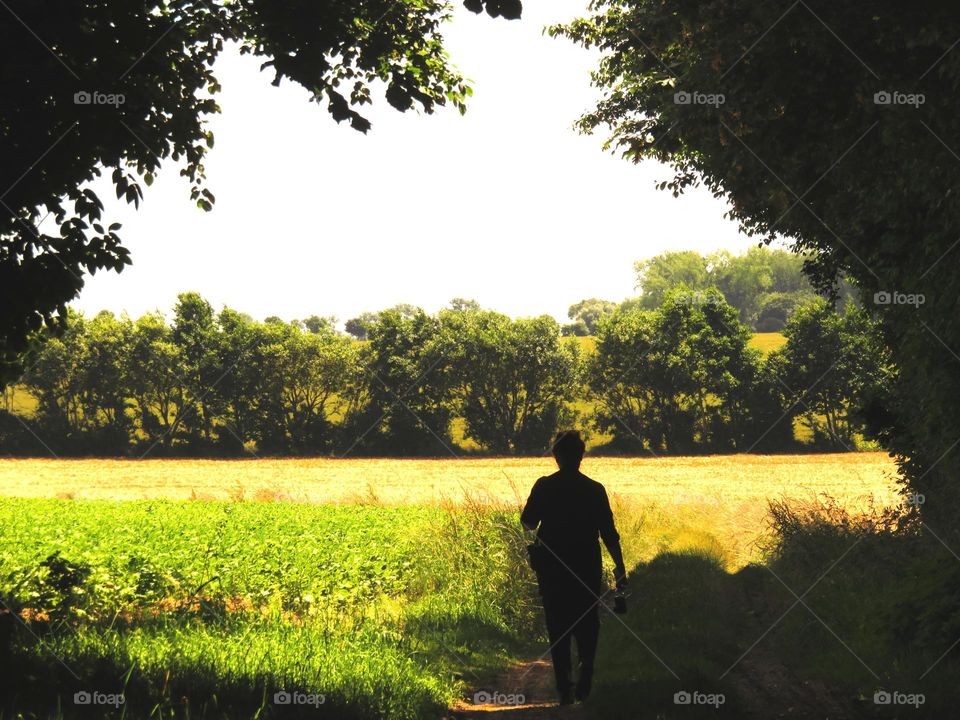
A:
[228,603]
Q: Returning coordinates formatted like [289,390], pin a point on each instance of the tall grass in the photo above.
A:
[880,591]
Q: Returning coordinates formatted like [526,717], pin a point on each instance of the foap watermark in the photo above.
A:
[695,697]
[98,98]
[295,697]
[492,697]
[685,97]
[895,697]
[887,297]
[895,97]
[915,499]
[95,697]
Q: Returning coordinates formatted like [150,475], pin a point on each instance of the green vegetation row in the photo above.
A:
[208,609]
[679,379]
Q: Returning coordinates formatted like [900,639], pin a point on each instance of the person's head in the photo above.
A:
[568,449]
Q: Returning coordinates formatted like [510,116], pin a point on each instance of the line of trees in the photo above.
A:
[765,286]
[680,378]
[683,379]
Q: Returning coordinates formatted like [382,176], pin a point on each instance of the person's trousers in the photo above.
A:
[572,614]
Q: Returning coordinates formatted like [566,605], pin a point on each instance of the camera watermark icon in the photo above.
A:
[492,697]
[894,97]
[685,697]
[916,499]
[886,297]
[884,697]
[95,697]
[98,98]
[295,697]
[683,97]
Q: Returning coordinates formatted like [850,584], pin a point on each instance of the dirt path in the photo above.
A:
[765,686]
[532,679]
[767,689]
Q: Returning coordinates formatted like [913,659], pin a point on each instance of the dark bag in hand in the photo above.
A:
[537,554]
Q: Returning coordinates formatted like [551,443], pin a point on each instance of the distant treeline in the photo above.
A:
[679,378]
[765,286]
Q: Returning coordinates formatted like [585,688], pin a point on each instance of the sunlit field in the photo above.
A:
[727,494]
[309,573]
[727,478]
[768,342]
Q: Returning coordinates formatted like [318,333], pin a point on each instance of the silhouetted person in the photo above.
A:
[571,511]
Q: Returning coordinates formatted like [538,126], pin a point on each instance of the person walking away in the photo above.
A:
[570,511]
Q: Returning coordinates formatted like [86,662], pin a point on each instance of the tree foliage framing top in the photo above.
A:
[831,123]
[99,86]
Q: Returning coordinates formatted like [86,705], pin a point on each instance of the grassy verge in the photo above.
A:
[849,615]
[210,609]
[682,624]
[677,638]
[879,615]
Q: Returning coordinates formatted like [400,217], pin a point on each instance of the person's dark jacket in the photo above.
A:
[572,513]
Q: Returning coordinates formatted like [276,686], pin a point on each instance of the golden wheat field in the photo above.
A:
[848,477]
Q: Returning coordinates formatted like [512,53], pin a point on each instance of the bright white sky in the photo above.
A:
[507,205]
